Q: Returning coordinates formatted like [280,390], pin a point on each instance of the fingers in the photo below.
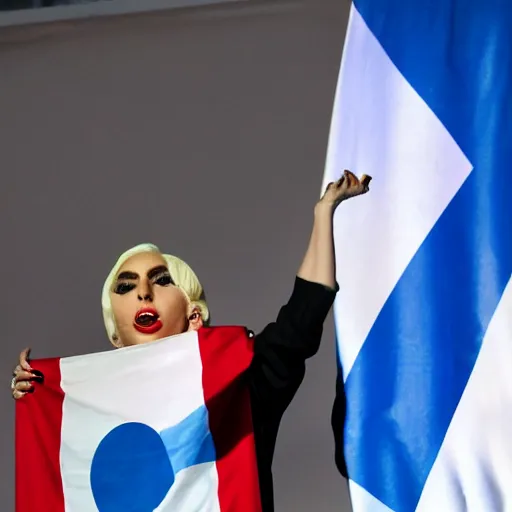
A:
[336,184]
[18,394]
[350,178]
[24,376]
[21,388]
[349,185]
[349,174]
[341,181]
[24,359]
[354,182]
[365,181]
[23,385]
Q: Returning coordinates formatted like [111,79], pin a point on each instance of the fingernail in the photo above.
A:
[37,376]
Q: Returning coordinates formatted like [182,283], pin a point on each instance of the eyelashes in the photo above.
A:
[123,288]
[164,280]
[160,280]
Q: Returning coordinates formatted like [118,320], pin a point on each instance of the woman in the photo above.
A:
[149,296]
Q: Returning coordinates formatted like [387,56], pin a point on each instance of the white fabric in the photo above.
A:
[108,389]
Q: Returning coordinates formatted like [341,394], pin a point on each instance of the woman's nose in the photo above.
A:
[145,293]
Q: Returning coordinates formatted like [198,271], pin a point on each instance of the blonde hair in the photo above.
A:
[182,275]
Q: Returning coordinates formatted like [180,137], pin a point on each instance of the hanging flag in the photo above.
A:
[424,314]
[164,426]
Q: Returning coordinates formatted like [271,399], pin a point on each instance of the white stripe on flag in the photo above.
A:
[473,470]
[361,499]
[381,127]
[139,389]
[192,490]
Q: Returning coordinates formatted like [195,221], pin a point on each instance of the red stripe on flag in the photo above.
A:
[37,443]
[226,353]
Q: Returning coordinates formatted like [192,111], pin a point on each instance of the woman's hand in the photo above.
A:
[349,185]
[319,263]
[23,375]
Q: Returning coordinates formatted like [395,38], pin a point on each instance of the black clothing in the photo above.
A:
[338,422]
[278,368]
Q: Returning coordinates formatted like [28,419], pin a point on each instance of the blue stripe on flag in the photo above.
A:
[410,374]
[189,442]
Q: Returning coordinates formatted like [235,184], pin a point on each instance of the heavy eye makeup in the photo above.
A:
[158,275]
[164,280]
[122,288]
[125,283]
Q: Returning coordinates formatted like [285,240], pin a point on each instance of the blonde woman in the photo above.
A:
[149,296]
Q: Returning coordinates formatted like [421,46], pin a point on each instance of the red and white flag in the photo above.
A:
[164,426]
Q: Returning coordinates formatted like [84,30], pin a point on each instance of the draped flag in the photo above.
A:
[424,314]
[164,426]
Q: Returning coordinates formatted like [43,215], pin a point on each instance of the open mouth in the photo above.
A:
[147,321]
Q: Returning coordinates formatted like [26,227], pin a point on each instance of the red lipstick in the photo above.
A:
[147,321]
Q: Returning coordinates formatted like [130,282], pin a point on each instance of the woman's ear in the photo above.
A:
[195,320]
[116,341]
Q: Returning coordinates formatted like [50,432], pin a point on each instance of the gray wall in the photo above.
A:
[203,131]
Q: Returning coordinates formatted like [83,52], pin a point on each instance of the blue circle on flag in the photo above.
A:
[131,470]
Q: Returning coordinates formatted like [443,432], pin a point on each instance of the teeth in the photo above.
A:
[146,318]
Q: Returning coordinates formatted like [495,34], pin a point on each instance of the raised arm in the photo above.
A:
[281,349]
[283,346]
[319,265]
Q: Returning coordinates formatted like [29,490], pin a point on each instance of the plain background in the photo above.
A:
[203,131]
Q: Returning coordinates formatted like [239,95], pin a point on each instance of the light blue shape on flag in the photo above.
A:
[190,442]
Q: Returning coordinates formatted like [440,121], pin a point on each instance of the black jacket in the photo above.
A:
[278,367]
[338,423]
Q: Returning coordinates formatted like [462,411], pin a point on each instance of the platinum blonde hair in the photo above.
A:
[183,276]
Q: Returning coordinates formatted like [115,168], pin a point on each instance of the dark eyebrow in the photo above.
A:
[157,270]
[132,276]
[127,275]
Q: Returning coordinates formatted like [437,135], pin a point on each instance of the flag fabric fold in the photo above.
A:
[162,426]
[424,313]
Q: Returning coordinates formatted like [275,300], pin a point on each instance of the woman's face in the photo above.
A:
[146,304]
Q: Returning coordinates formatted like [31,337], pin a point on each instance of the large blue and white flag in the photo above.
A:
[424,315]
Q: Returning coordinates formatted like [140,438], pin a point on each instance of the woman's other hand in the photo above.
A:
[23,375]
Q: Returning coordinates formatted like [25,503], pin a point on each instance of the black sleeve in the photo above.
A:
[281,349]
[278,367]
[338,421]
